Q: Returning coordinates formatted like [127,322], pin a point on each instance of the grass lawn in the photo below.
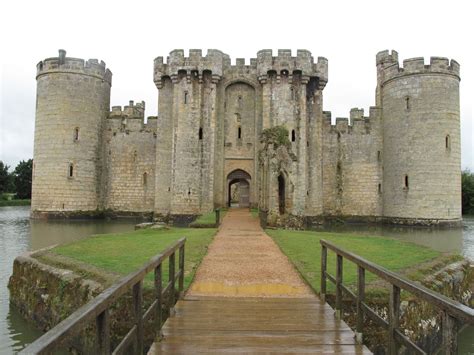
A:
[304,250]
[210,218]
[127,252]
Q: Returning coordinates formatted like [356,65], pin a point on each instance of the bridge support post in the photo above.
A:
[171,297]
[393,319]
[339,287]
[159,299]
[324,257]
[181,272]
[449,334]
[360,299]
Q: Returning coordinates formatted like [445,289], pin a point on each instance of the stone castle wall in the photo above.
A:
[73,100]
[401,163]
[129,156]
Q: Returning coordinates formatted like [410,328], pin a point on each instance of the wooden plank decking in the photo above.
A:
[255,325]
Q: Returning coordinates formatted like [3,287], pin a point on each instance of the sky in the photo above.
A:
[128,35]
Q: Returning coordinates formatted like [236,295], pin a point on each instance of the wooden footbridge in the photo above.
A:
[247,298]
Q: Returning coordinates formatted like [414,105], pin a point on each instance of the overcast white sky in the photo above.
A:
[128,35]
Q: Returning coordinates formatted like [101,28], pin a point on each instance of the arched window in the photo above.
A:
[200,133]
[406,182]
[448,142]
[239,133]
[145,178]
[70,170]
[293,135]
[76,134]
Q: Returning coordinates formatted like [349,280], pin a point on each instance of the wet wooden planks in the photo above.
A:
[255,325]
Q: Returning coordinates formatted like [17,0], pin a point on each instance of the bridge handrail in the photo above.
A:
[452,309]
[98,308]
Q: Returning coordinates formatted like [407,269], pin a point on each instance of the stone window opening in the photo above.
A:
[189,192]
[145,178]
[239,133]
[70,170]
[200,133]
[379,155]
[76,134]
[292,91]
[380,188]
[293,135]
[448,142]
[185,97]
[406,182]
[407,103]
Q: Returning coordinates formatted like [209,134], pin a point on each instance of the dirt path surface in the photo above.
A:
[243,261]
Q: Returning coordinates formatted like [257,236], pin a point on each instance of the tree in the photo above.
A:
[467,186]
[23,175]
[5,178]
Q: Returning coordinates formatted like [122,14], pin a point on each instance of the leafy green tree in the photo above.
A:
[5,178]
[467,183]
[23,175]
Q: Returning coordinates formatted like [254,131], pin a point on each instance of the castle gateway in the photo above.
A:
[249,135]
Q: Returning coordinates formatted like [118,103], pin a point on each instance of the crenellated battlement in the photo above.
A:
[417,66]
[131,111]
[63,64]
[356,123]
[387,57]
[285,62]
[215,61]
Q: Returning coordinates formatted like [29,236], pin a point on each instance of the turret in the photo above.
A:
[73,98]
[421,139]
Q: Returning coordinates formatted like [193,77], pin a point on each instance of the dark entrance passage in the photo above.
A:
[281,194]
[238,194]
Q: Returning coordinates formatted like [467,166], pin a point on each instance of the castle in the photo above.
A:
[206,149]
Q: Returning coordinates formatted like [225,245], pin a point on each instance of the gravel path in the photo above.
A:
[243,261]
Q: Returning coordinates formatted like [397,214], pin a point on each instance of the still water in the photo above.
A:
[19,234]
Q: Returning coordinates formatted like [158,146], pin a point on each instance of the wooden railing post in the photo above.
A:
[181,272]
[360,299]
[137,307]
[172,281]
[324,258]
[218,217]
[450,342]
[103,332]
[393,319]
[339,287]
[159,299]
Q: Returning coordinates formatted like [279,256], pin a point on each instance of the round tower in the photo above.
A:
[72,102]
[421,140]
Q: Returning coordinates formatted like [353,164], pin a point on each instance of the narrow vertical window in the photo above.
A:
[70,170]
[185,97]
[145,179]
[76,134]
[380,188]
[239,133]
[448,142]
[293,135]
[406,181]
[379,155]
[407,103]
[200,133]
[292,91]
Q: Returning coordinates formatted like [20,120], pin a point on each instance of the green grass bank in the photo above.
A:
[5,203]
[127,252]
[304,251]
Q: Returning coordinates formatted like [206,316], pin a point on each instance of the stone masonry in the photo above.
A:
[399,164]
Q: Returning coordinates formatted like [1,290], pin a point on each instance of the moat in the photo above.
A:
[19,234]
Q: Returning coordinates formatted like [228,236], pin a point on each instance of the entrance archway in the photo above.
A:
[281,194]
[238,194]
